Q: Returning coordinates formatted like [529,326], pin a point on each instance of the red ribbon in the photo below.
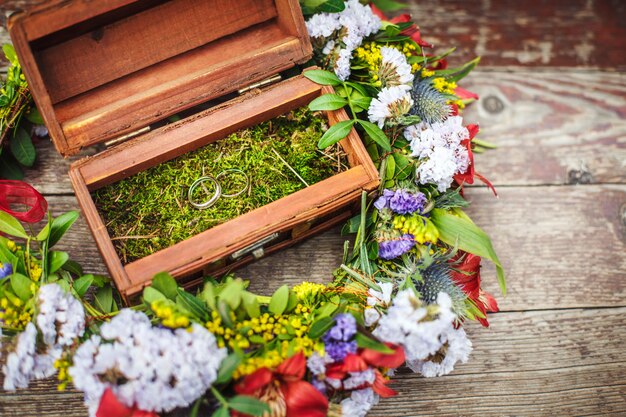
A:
[110,406]
[18,192]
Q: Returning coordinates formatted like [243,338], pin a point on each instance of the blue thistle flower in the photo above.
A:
[437,278]
[429,104]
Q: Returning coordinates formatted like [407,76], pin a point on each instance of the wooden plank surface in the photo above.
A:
[553,98]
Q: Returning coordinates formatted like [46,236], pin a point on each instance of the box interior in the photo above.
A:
[123,69]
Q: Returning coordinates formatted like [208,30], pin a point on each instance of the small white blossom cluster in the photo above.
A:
[348,28]
[391,103]
[439,148]
[61,317]
[61,320]
[409,323]
[394,69]
[382,298]
[25,364]
[159,369]
[359,403]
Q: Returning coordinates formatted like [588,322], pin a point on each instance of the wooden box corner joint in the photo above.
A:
[101,71]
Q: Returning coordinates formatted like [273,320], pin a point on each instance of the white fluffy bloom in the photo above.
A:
[24,364]
[408,323]
[359,403]
[439,146]
[61,317]
[358,379]
[394,69]
[161,369]
[458,348]
[370,316]
[383,296]
[391,102]
[349,27]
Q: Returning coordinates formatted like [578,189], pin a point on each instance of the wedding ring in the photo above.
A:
[216,195]
[238,171]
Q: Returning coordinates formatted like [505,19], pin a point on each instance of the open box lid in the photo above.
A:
[102,69]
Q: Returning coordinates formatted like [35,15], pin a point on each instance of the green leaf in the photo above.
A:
[322,77]
[9,169]
[150,295]
[225,311]
[44,233]
[279,300]
[11,226]
[6,256]
[248,405]
[227,368]
[82,284]
[208,295]
[56,260]
[104,299]
[21,286]
[365,342]
[332,6]
[388,5]
[9,52]
[361,103]
[60,225]
[390,168]
[328,102]
[463,233]
[192,304]
[336,132]
[251,304]
[74,268]
[4,100]
[34,116]
[22,148]
[221,412]
[320,326]
[166,285]
[403,166]
[232,293]
[376,133]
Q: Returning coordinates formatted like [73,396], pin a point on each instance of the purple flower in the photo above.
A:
[338,340]
[401,201]
[390,249]
[339,350]
[6,270]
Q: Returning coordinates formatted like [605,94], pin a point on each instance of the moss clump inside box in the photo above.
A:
[150,211]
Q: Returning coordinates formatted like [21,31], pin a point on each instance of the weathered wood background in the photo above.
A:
[553,98]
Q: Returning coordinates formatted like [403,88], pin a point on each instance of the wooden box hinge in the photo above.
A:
[263,83]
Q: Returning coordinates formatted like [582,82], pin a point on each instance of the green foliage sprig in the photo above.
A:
[17,114]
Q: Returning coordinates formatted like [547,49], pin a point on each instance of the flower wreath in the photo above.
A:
[401,295]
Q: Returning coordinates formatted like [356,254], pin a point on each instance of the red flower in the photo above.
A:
[284,390]
[111,407]
[412,31]
[468,176]
[368,358]
[467,276]
[18,192]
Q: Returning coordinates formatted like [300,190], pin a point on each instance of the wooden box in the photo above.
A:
[102,70]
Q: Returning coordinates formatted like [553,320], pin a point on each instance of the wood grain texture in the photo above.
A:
[576,33]
[541,363]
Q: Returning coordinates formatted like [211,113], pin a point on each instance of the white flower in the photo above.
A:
[358,379]
[394,69]
[61,317]
[408,323]
[161,369]
[359,403]
[458,348]
[349,27]
[342,64]
[323,24]
[439,146]
[382,297]
[370,316]
[24,364]
[391,103]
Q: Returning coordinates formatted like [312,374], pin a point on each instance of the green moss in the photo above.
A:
[150,211]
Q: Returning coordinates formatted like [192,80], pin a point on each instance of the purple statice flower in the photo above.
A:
[338,340]
[390,249]
[5,270]
[401,201]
